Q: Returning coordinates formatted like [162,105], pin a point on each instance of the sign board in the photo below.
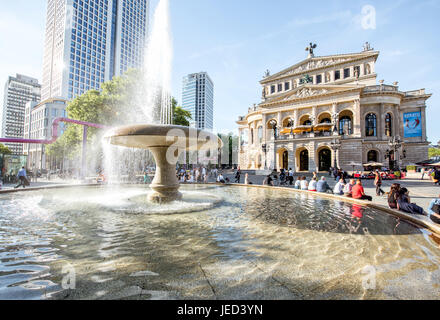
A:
[412,124]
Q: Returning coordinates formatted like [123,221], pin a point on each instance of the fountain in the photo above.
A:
[159,136]
[166,142]
[254,243]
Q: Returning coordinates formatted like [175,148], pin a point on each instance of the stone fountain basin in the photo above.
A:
[166,143]
[146,136]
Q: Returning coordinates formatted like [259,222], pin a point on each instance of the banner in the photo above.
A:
[412,124]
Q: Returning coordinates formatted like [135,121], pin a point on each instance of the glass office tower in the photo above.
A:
[198,98]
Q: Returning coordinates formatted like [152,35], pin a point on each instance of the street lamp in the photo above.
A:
[291,124]
[335,145]
[396,143]
[264,148]
[273,124]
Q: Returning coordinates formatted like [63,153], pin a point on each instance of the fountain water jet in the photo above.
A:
[159,136]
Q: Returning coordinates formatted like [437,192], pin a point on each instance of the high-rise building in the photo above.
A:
[90,41]
[18,92]
[198,98]
[38,123]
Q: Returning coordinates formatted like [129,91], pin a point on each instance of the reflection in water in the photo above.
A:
[254,244]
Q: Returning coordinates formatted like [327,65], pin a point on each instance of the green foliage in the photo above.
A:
[103,107]
[4,149]
[181,117]
[434,152]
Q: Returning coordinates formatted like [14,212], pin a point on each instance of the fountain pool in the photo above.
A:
[228,242]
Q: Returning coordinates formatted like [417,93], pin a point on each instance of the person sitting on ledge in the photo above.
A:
[357,192]
[434,210]
[404,203]
[348,188]
[298,183]
[392,195]
[220,178]
[304,184]
[268,181]
[322,186]
[312,184]
[339,187]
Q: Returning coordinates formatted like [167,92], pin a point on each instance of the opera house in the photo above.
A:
[330,111]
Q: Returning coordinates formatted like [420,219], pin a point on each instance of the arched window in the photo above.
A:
[371,125]
[345,125]
[388,125]
[325,120]
[307,123]
[372,156]
[260,134]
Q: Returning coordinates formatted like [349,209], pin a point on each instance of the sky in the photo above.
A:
[236,41]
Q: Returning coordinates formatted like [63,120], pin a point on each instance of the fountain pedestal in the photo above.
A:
[165,184]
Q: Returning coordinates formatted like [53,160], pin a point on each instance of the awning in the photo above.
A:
[301,129]
[374,164]
[286,131]
[323,127]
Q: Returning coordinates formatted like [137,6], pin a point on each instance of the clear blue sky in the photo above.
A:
[236,41]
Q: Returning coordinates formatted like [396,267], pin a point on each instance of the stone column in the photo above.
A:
[264,120]
[381,123]
[357,118]
[312,157]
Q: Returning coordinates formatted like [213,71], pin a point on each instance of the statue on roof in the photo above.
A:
[267,73]
[310,49]
[367,46]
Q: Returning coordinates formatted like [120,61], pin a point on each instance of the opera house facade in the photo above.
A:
[331,111]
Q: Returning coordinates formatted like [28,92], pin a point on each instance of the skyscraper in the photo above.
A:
[198,98]
[19,90]
[90,41]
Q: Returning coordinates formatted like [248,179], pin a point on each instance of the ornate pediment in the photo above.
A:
[310,91]
[317,63]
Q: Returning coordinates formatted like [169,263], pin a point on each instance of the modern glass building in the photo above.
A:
[198,98]
[89,42]
[19,90]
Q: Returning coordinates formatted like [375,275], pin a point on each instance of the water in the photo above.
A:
[152,97]
[156,94]
[254,244]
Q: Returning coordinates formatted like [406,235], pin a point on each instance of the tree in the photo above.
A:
[180,116]
[433,152]
[4,149]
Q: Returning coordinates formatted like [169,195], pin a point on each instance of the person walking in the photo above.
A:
[237,176]
[378,184]
[290,176]
[423,173]
[22,177]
